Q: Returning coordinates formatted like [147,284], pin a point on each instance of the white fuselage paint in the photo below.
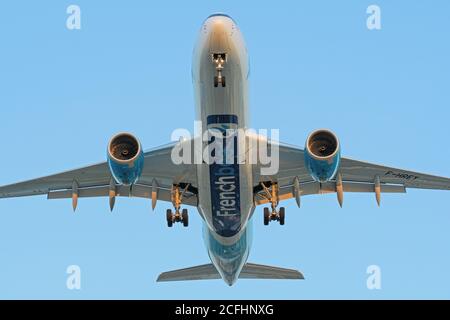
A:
[225,193]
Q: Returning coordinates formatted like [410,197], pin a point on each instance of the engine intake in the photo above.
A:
[125,158]
[322,155]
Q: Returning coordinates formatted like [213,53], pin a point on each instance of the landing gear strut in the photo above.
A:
[273,214]
[179,215]
[219,60]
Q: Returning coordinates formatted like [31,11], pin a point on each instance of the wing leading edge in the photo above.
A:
[357,176]
[160,173]
[158,176]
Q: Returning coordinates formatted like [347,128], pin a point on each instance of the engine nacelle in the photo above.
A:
[125,158]
[322,155]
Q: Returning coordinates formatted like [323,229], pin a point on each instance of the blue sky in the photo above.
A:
[64,93]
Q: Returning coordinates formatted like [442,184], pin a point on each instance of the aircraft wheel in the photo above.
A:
[223,81]
[282,215]
[169,218]
[266,216]
[185,217]
[216,82]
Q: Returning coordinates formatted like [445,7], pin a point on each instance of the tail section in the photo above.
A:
[249,271]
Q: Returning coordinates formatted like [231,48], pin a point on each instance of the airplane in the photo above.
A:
[225,194]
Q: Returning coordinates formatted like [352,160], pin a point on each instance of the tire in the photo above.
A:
[266,216]
[185,217]
[223,82]
[216,82]
[169,218]
[282,214]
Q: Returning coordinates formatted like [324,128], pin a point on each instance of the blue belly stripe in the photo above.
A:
[222,118]
[224,183]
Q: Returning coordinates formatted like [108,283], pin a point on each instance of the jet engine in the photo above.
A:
[125,158]
[322,155]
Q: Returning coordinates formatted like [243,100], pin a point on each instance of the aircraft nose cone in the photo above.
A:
[218,26]
[219,17]
[220,29]
[219,14]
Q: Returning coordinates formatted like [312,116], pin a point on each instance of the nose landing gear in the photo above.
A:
[273,214]
[179,215]
[219,60]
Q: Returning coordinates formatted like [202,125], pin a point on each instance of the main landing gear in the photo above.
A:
[273,214]
[179,215]
[219,60]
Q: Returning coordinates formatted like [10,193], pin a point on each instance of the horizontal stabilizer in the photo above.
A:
[249,271]
[259,271]
[203,272]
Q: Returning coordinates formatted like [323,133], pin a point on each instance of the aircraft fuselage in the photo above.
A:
[220,72]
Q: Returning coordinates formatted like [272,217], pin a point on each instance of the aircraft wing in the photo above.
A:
[158,176]
[357,176]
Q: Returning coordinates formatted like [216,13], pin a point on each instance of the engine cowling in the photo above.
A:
[322,155]
[125,158]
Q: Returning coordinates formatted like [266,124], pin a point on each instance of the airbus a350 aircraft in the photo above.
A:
[225,194]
